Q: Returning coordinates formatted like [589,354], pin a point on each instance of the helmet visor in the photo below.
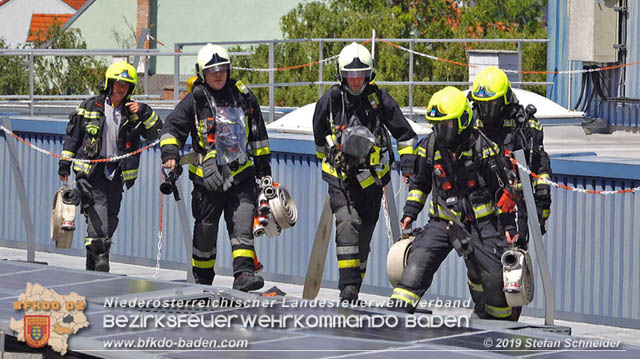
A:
[445,131]
[357,73]
[483,92]
[216,68]
[490,110]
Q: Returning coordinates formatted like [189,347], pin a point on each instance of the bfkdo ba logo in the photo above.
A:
[36,330]
[48,318]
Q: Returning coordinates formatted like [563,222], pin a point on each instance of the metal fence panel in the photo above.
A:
[593,242]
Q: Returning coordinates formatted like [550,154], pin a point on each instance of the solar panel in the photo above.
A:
[112,296]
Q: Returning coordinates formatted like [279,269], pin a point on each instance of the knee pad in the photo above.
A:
[243,221]
[204,232]
[348,226]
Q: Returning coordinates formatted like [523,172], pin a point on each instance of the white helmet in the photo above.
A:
[355,61]
[212,57]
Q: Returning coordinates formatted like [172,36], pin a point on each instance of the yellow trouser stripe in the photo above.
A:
[243,253]
[498,312]
[203,264]
[475,287]
[405,295]
[169,141]
[349,263]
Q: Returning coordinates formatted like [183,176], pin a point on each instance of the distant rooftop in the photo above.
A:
[41,22]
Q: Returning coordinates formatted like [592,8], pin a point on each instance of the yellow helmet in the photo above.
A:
[491,92]
[449,112]
[489,84]
[121,71]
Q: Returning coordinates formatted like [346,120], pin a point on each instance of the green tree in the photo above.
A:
[437,19]
[66,75]
[14,79]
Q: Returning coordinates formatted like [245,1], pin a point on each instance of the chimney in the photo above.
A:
[144,19]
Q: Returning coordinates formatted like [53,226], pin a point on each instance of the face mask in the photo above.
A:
[445,131]
[490,111]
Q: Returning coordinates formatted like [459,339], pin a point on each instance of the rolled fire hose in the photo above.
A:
[63,215]
[517,274]
[397,259]
[284,213]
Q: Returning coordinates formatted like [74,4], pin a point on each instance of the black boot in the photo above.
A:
[247,281]
[349,293]
[397,305]
[515,313]
[100,248]
[90,264]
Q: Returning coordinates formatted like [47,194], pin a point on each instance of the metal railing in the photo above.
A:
[270,84]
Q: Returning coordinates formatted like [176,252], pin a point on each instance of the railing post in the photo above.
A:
[31,69]
[520,63]
[272,107]
[146,76]
[570,82]
[320,63]
[411,79]
[176,72]
[25,212]
[536,236]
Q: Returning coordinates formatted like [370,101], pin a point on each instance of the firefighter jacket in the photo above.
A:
[83,137]
[518,132]
[196,115]
[469,181]
[374,108]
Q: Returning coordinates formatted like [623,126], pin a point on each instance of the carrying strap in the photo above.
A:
[375,102]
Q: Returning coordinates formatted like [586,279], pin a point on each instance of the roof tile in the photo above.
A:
[41,22]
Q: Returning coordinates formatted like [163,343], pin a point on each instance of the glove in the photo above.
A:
[227,178]
[71,195]
[64,168]
[212,178]
[507,202]
[512,232]
[407,165]
[83,190]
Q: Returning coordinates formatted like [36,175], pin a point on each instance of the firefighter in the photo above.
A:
[228,132]
[499,115]
[105,126]
[472,206]
[350,125]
